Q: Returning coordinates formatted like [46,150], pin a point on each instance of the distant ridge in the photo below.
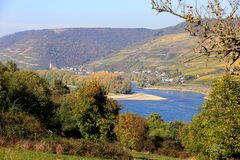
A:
[74,46]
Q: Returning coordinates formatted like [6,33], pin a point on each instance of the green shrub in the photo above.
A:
[90,112]
[28,92]
[174,129]
[68,124]
[156,126]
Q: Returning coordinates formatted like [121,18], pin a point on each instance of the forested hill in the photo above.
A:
[73,46]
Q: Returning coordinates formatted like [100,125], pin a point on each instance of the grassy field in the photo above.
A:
[147,156]
[15,154]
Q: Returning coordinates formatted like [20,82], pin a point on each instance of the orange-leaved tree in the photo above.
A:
[131,131]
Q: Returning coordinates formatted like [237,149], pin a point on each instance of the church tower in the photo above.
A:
[50,65]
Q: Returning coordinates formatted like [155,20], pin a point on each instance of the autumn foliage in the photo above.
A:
[131,131]
[113,82]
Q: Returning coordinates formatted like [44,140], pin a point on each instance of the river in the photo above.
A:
[178,106]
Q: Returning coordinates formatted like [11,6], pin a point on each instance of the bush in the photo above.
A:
[91,112]
[28,92]
[131,131]
[59,88]
[174,129]
[68,124]
[156,126]
[15,124]
[172,153]
[168,143]
[151,144]
[101,149]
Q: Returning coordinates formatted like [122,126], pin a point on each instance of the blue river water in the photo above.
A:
[178,106]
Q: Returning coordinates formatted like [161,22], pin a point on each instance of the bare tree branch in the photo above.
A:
[216,24]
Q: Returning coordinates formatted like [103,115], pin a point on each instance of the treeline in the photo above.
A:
[58,75]
[38,115]
[146,80]
[113,82]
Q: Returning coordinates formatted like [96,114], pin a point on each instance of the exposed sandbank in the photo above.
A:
[136,97]
[202,90]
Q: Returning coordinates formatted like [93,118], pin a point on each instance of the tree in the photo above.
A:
[214,133]
[94,113]
[131,131]
[113,82]
[26,91]
[156,126]
[174,129]
[11,66]
[68,124]
[59,88]
[216,23]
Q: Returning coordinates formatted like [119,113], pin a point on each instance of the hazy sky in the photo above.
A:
[19,15]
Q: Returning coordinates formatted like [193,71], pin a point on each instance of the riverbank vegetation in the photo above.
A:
[42,116]
[182,83]
[38,115]
[113,82]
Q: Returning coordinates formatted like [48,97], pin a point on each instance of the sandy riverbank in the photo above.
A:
[198,89]
[136,97]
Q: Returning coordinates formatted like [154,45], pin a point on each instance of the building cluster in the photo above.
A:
[77,70]
[163,76]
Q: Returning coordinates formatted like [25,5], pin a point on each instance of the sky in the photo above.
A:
[20,15]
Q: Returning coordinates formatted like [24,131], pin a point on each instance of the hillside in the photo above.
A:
[163,54]
[74,46]
[112,49]
[155,53]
